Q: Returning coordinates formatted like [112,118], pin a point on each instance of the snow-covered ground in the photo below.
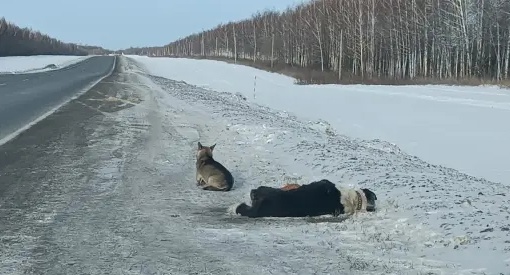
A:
[464,128]
[431,219]
[36,63]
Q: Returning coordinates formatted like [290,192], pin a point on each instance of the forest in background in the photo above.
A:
[16,41]
[364,41]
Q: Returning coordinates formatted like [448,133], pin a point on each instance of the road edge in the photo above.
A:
[45,115]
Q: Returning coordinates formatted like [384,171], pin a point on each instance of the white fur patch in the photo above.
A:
[349,199]
[231,210]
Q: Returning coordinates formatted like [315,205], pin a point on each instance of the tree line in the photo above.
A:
[364,40]
[16,41]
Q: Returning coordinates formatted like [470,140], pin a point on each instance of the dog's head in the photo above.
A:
[371,198]
[205,151]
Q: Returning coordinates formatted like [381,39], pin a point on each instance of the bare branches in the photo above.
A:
[16,41]
[368,39]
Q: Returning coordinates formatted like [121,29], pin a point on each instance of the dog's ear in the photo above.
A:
[369,194]
[200,145]
[212,147]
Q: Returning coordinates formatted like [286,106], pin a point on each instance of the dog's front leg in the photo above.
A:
[201,182]
[199,179]
[337,213]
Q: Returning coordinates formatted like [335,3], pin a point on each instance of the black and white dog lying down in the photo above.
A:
[315,199]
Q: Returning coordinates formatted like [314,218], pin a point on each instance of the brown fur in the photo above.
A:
[290,186]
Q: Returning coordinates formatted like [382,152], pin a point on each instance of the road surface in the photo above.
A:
[81,192]
[26,97]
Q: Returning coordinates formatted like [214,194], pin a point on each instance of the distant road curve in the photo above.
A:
[25,99]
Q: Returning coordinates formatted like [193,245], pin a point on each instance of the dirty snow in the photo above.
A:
[431,219]
[460,127]
[36,63]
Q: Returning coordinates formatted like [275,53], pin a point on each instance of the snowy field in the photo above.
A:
[36,63]
[431,219]
[464,128]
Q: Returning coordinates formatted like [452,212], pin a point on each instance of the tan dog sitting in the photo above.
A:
[211,175]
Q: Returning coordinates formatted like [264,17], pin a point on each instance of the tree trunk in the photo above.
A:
[272,49]
[360,28]
[216,51]
[340,55]
[235,42]
[507,56]
[254,42]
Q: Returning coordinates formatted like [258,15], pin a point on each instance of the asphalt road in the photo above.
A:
[47,176]
[89,189]
[26,97]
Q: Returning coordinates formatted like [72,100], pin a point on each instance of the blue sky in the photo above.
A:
[119,24]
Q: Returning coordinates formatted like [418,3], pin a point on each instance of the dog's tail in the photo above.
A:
[213,188]
[245,210]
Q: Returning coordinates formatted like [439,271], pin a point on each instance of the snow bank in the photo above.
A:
[461,127]
[37,63]
[430,219]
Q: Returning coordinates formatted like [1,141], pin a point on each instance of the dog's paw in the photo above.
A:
[200,182]
[231,210]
